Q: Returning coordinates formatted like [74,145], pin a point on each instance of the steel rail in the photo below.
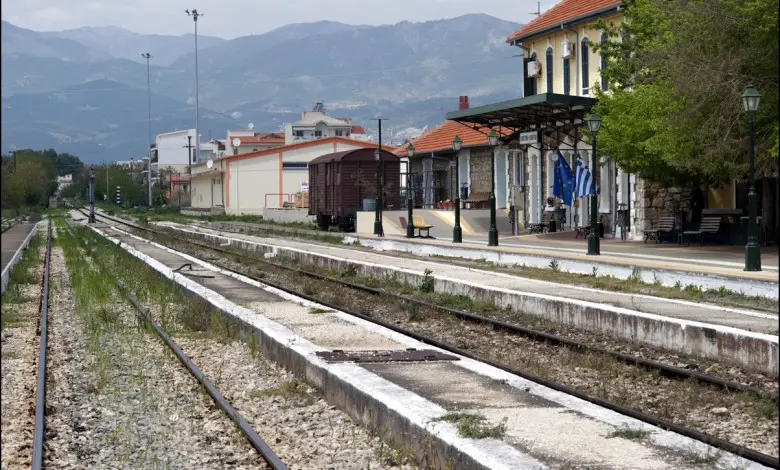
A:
[40,398]
[730,447]
[247,430]
[666,370]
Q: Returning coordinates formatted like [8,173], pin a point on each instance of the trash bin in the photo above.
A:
[552,226]
[600,228]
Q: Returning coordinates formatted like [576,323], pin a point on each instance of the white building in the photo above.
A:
[249,183]
[172,151]
[316,124]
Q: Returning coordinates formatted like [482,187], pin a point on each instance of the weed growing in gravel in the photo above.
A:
[474,426]
[427,284]
[316,310]
[636,275]
[629,433]
[294,393]
[554,266]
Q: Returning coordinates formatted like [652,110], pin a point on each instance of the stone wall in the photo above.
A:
[480,161]
[658,201]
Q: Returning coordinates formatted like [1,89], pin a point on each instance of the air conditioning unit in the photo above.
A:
[567,49]
[533,69]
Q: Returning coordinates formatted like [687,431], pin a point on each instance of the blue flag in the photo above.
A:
[563,184]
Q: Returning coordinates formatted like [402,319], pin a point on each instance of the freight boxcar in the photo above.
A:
[341,183]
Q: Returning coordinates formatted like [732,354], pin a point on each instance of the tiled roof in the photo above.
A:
[560,12]
[263,138]
[440,138]
[358,129]
[333,140]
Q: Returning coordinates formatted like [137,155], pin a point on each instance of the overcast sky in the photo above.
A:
[233,18]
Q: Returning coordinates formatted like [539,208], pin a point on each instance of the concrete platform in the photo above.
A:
[14,241]
[544,428]
[744,337]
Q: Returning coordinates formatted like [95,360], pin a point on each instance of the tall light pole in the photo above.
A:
[148,56]
[91,196]
[409,200]
[457,233]
[493,231]
[594,124]
[378,229]
[750,100]
[195,15]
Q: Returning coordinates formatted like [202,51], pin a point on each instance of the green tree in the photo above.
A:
[677,69]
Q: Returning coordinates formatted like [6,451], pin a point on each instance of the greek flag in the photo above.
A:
[585,185]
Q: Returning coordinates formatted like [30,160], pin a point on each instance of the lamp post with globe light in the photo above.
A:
[493,231]
[750,100]
[594,124]
[457,233]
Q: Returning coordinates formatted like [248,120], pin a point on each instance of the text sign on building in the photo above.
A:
[527,138]
[304,186]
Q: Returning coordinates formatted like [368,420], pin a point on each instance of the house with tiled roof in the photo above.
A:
[558,75]
[316,124]
[432,167]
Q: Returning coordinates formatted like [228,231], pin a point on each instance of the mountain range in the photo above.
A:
[84,91]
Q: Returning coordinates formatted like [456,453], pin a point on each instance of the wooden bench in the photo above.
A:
[710,226]
[475,198]
[664,225]
[582,231]
[542,226]
[420,225]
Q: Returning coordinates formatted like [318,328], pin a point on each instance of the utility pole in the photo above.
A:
[195,15]
[189,164]
[148,56]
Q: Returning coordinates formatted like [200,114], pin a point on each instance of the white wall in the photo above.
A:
[251,179]
[172,148]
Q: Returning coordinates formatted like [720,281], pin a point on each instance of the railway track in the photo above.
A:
[43,331]
[665,369]
[255,440]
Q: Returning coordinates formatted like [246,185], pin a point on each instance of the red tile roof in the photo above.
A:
[263,138]
[560,12]
[333,140]
[358,129]
[440,138]
[347,120]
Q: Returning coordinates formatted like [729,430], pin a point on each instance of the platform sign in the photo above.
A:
[304,186]
[528,138]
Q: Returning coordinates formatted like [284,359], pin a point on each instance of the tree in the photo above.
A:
[676,71]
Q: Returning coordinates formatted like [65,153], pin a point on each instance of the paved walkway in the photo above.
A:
[13,238]
[738,318]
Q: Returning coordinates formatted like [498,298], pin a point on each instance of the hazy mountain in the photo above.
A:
[121,43]
[410,73]
[18,40]
[100,120]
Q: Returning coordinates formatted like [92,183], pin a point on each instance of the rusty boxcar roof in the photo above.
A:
[356,155]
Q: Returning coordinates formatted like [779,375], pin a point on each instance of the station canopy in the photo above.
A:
[551,113]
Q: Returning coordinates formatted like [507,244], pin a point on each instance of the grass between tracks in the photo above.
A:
[24,282]
[688,403]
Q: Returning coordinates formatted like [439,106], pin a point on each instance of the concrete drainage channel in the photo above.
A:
[750,350]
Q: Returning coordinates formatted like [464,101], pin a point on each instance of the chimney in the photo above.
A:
[463,103]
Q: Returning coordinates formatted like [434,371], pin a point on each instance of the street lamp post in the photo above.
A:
[148,56]
[195,15]
[594,124]
[409,200]
[91,196]
[493,231]
[750,100]
[457,233]
[378,228]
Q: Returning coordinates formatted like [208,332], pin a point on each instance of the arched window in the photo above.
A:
[532,80]
[549,70]
[604,81]
[584,61]
[566,77]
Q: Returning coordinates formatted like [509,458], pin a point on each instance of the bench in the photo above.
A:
[420,225]
[709,226]
[475,198]
[664,225]
[542,226]
[582,231]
